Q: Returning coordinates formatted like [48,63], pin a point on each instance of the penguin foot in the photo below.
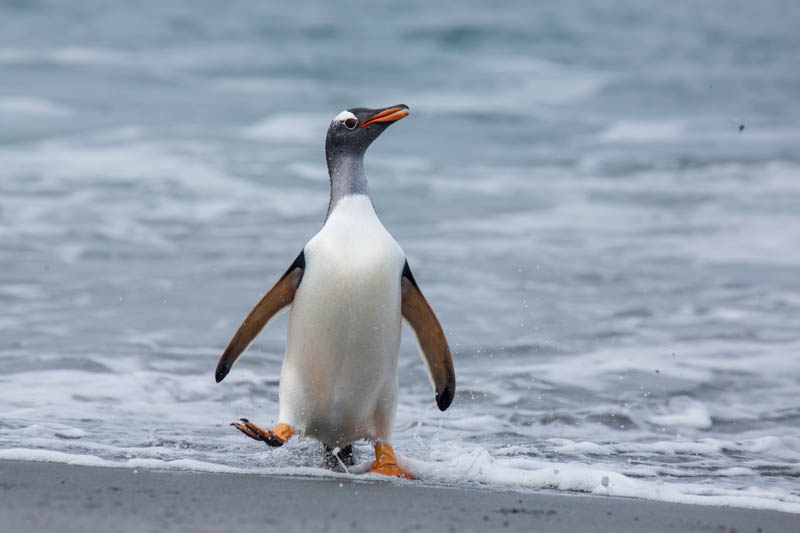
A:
[386,463]
[275,436]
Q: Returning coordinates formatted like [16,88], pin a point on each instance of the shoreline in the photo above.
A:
[39,495]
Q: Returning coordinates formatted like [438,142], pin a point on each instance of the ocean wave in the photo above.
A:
[69,55]
[30,106]
[641,131]
[288,128]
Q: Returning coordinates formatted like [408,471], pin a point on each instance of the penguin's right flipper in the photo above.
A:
[432,342]
[279,296]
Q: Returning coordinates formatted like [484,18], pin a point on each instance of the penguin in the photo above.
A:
[349,289]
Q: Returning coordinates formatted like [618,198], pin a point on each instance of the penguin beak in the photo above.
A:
[390,114]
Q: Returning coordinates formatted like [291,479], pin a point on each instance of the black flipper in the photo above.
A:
[279,296]
[431,339]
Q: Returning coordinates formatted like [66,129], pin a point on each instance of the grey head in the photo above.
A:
[349,136]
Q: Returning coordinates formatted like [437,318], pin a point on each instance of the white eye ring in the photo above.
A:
[346,116]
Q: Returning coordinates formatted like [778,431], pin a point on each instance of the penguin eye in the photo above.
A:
[350,123]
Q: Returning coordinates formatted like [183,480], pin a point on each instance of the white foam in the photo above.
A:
[685,412]
[71,433]
[476,466]
[522,473]
[192,465]
[58,430]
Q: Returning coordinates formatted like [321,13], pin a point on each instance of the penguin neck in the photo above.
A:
[347,177]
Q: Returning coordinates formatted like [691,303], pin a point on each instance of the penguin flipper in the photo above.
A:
[279,296]
[430,337]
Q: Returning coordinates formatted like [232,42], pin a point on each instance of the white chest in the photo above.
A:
[353,239]
[339,372]
[353,268]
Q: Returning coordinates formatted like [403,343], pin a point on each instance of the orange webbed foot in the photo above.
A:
[385,462]
[275,436]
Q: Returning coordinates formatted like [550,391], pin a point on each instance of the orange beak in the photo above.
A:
[387,115]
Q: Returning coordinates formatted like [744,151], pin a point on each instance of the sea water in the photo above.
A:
[601,201]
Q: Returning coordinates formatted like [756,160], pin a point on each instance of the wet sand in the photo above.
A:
[55,497]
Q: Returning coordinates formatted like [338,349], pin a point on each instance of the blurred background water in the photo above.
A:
[601,200]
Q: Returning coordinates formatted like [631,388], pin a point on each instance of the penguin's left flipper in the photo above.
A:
[279,296]
[430,336]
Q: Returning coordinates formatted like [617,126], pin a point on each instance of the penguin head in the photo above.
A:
[353,130]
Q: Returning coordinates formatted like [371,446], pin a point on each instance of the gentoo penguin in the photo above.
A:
[349,290]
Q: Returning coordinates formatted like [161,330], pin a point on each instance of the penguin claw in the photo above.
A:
[277,436]
[247,431]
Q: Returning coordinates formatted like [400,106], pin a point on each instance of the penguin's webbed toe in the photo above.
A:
[385,462]
[276,436]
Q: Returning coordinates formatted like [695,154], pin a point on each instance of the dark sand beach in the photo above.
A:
[54,497]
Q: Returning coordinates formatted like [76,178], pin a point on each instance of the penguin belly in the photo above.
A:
[339,375]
